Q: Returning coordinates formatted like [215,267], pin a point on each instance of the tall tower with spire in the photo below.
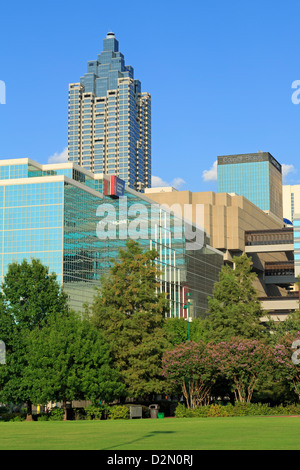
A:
[110,119]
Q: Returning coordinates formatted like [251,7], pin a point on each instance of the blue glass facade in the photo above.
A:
[248,179]
[31,222]
[110,119]
[257,177]
[58,214]
[103,74]
[296,224]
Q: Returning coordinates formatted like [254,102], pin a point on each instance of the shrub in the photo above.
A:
[43,418]
[239,409]
[18,418]
[13,416]
[218,410]
[79,414]
[146,411]
[180,411]
[56,414]
[93,412]
[97,412]
[119,412]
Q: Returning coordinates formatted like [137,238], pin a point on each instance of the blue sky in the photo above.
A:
[220,75]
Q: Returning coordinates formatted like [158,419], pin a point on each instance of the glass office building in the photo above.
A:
[296,223]
[110,119]
[75,221]
[256,176]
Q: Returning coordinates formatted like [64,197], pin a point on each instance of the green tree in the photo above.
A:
[130,311]
[291,325]
[177,330]
[30,296]
[234,308]
[286,353]
[70,360]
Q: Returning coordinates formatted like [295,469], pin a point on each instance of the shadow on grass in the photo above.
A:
[150,434]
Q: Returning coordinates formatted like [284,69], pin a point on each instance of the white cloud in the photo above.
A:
[157,182]
[177,183]
[59,157]
[286,170]
[211,175]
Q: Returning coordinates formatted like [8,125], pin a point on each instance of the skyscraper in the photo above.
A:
[110,119]
[256,176]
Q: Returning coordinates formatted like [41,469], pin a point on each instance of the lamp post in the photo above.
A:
[186,306]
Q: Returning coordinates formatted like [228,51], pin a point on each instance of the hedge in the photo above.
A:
[239,409]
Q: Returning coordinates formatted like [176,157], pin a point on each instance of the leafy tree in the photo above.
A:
[290,326]
[30,296]
[191,367]
[177,330]
[69,360]
[130,311]
[234,308]
[286,354]
[244,363]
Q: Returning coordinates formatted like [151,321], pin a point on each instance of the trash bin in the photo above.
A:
[153,411]
[160,415]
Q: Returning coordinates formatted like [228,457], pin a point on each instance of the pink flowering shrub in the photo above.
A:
[190,365]
[244,363]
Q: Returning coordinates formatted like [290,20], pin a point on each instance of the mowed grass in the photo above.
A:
[242,433]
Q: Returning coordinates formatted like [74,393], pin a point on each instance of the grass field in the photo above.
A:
[253,433]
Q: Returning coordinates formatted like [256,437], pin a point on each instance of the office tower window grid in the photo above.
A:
[296,224]
[110,120]
[257,177]
[31,224]
[248,179]
[51,214]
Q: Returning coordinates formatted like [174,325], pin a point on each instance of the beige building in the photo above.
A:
[291,212]
[291,201]
[236,226]
[226,216]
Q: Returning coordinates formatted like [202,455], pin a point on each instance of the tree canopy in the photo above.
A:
[69,360]
[30,297]
[191,367]
[130,311]
[234,308]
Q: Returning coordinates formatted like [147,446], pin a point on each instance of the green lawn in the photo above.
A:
[253,433]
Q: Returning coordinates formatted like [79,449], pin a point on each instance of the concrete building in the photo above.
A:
[110,119]
[291,201]
[235,226]
[279,276]
[291,214]
[226,216]
[296,222]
